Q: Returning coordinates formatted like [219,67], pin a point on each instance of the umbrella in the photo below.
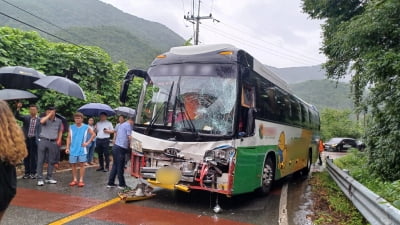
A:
[12,94]
[19,77]
[125,111]
[62,85]
[94,109]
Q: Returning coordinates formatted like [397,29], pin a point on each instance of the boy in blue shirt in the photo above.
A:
[76,147]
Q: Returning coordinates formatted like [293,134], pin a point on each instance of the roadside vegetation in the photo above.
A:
[339,123]
[89,66]
[356,162]
[330,205]
[362,36]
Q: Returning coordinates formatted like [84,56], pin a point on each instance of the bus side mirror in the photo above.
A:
[130,75]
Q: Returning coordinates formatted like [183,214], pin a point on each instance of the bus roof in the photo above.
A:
[209,54]
[199,52]
[200,49]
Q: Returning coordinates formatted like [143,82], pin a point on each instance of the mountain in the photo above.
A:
[92,22]
[299,74]
[324,93]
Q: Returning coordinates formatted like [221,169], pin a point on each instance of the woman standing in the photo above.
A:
[92,145]
[12,151]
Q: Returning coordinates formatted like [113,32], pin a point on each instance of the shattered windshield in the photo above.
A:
[194,103]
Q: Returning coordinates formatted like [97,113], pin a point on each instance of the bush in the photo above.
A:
[355,162]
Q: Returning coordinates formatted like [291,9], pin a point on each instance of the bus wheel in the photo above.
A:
[267,176]
[306,170]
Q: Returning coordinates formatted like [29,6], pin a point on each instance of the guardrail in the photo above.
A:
[373,207]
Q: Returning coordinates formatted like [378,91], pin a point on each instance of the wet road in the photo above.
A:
[52,202]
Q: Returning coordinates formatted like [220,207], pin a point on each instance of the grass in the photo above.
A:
[356,162]
[331,206]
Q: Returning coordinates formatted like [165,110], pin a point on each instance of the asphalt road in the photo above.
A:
[96,204]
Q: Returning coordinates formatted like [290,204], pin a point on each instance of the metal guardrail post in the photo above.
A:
[373,207]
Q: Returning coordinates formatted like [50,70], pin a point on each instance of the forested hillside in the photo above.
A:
[324,93]
[92,22]
[299,74]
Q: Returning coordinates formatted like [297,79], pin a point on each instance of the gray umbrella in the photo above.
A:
[62,85]
[19,77]
[13,94]
[125,111]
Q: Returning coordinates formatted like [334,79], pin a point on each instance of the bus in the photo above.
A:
[213,118]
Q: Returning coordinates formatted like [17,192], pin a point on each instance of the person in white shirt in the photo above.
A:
[104,128]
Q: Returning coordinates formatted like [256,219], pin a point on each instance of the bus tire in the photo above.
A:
[267,177]
[306,170]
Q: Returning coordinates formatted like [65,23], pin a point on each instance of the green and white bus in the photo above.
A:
[213,118]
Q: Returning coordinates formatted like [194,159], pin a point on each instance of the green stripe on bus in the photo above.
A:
[249,164]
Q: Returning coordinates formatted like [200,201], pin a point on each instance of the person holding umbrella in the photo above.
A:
[49,142]
[104,128]
[31,128]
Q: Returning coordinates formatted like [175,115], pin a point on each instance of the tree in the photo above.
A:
[364,36]
[338,123]
[90,67]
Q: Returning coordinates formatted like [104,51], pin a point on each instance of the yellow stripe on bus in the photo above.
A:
[85,212]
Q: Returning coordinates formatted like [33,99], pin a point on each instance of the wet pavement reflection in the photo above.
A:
[51,202]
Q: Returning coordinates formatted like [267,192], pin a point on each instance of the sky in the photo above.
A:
[276,32]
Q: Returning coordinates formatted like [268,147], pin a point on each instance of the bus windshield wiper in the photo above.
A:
[166,106]
[163,107]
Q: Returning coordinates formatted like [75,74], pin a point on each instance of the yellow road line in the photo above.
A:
[85,212]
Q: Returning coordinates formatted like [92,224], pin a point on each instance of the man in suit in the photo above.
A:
[31,128]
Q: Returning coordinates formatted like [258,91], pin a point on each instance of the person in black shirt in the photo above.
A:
[12,151]
[31,128]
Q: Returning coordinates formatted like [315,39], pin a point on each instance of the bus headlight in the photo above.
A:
[221,155]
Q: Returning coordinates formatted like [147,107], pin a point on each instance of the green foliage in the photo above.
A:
[337,123]
[365,36]
[339,210]
[119,43]
[90,67]
[356,163]
[324,93]
[91,22]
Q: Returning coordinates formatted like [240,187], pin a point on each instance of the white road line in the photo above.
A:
[283,217]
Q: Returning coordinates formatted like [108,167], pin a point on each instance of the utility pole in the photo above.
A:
[196,21]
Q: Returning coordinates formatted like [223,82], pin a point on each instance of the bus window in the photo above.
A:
[284,106]
[248,111]
[266,101]
[304,118]
[296,112]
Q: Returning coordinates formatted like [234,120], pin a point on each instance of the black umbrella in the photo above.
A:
[13,94]
[19,77]
[62,85]
[95,109]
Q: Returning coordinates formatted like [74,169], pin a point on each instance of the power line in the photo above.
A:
[196,20]
[274,44]
[268,42]
[257,45]
[34,27]
[44,20]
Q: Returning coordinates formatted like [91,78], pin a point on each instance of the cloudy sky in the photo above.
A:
[274,31]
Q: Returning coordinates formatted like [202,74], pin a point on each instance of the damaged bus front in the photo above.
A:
[184,131]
